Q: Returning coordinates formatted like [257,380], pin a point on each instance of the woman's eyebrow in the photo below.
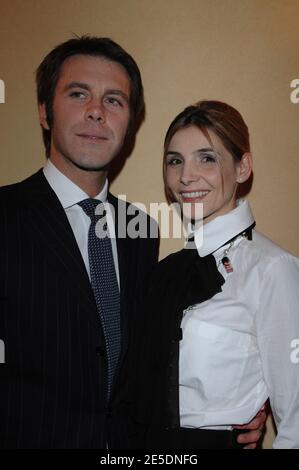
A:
[205,149]
[172,152]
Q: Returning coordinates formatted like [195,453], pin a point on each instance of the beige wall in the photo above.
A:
[242,51]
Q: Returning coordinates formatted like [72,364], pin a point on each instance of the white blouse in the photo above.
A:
[238,347]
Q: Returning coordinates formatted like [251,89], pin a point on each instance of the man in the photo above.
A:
[55,389]
[66,299]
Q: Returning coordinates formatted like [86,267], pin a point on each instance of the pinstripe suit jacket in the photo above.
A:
[53,382]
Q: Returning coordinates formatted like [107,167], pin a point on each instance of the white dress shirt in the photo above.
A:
[69,195]
[237,346]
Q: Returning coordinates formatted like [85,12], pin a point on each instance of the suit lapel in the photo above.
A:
[124,261]
[122,252]
[47,218]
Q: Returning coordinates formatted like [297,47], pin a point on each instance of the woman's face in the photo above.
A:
[196,172]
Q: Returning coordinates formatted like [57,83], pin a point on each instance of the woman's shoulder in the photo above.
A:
[177,260]
[270,257]
[169,260]
[270,249]
[166,266]
[172,269]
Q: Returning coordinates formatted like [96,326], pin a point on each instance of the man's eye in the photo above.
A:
[114,101]
[77,94]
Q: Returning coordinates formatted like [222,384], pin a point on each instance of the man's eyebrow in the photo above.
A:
[71,85]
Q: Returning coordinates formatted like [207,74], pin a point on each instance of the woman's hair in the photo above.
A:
[221,118]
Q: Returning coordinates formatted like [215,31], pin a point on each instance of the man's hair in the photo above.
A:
[48,73]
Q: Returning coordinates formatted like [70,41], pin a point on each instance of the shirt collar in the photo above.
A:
[216,233]
[68,192]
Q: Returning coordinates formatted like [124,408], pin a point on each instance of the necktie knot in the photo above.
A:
[89,206]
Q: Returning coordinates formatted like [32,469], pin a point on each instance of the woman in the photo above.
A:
[222,313]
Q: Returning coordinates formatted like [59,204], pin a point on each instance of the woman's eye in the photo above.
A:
[173,161]
[207,159]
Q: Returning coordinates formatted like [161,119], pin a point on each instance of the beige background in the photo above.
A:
[244,52]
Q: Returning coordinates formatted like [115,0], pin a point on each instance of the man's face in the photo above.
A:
[90,114]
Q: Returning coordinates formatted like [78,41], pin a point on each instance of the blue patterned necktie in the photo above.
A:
[104,284]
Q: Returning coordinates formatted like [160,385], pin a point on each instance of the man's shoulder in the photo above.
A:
[9,189]
[10,194]
[18,190]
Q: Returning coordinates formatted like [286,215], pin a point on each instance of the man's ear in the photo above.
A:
[43,116]
[244,169]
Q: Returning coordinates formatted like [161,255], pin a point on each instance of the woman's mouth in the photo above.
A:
[194,196]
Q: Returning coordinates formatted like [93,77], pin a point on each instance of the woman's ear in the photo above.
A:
[244,168]
[43,116]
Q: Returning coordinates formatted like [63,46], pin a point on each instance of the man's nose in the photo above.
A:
[96,111]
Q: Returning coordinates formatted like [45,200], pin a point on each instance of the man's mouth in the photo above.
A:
[93,137]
